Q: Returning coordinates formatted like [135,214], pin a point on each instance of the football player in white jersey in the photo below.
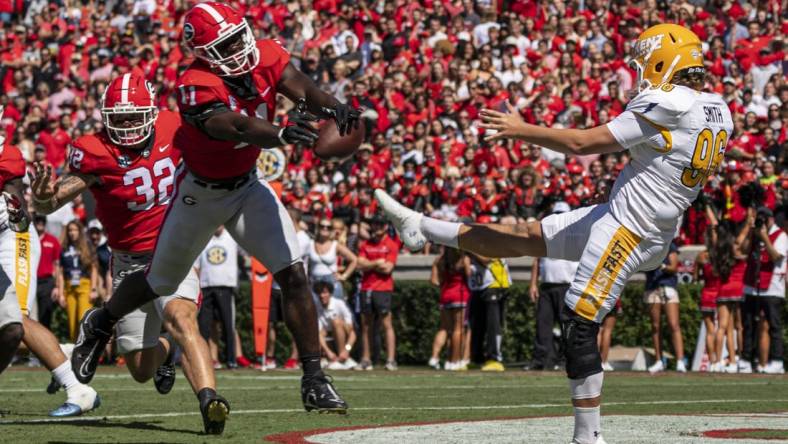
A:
[676,136]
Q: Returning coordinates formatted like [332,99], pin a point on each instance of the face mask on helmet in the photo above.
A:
[239,43]
[129,125]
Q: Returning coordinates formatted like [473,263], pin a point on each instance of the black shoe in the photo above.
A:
[215,411]
[164,378]
[93,338]
[317,393]
[53,386]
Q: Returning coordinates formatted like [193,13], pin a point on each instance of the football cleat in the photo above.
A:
[215,411]
[92,340]
[164,378]
[607,367]
[406,221]
[317,393]
[82,402]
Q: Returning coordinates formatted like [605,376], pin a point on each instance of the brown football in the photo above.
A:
[331,146]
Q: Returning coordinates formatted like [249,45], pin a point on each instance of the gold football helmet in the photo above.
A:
[663,50]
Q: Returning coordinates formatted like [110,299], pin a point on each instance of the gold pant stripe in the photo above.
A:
[607,269]
[23,272]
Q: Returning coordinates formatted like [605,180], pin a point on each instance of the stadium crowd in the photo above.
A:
[422,71]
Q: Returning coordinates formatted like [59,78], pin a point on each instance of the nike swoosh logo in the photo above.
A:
[265,93]
[162,148]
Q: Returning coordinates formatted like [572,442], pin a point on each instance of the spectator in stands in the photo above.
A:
[46,290]
[325,254]
[450,272]
[661,292]
[377,257]
[766,246]
[218,265]
[77,275]
[550,280]
[489,282]
[336,326]
[729,297]
[98,241]
[706,271]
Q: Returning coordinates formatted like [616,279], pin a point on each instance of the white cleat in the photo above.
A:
[406,221]
[656,367]
[731,368]
[336,365]
[681,367]
[744,366]
[607,367]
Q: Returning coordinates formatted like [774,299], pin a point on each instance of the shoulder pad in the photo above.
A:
[198,75]
[663,104]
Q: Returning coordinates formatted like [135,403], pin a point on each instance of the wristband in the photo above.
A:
[280,136]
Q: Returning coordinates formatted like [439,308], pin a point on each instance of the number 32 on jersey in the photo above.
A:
[707,156]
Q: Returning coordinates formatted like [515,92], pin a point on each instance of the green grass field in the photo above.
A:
[266,403]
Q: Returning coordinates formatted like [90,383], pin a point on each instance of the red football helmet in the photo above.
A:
[220,36]
[128,109]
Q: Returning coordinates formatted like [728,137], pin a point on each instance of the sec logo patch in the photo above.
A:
[216,255]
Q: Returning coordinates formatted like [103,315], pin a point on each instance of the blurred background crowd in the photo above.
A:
[422,71]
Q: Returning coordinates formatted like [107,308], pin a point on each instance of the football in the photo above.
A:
[331,146]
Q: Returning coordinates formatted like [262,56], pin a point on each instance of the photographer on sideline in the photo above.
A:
[764,279]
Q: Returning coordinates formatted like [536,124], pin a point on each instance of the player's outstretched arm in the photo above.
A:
[236,127]
[296,85]
[49,196]
[597,140]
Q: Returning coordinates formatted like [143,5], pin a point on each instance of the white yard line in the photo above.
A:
[383,409]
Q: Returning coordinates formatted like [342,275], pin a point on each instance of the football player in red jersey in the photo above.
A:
[227,99]
[19,255]
[129,168]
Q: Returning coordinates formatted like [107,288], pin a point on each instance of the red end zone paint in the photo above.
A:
[744,434]
[300,437]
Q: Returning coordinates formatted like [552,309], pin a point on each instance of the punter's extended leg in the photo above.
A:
[491,240]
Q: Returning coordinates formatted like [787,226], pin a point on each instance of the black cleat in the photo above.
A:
[92,340]
[164,378]
[215,411]
[317,393]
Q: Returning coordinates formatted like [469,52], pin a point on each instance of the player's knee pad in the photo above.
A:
[579,337]
[587,388]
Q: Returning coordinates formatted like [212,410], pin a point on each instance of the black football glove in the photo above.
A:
[302,129]
[345,116]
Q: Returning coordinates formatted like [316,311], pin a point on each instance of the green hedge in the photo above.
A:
[416,321]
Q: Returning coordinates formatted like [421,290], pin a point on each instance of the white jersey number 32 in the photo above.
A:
[143,179]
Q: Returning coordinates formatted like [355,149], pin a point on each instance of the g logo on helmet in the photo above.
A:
[188,32]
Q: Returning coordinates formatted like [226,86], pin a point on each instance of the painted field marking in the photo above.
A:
[381,409]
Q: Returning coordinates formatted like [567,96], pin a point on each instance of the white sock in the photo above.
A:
[441,232]
[65,376]
[587,425]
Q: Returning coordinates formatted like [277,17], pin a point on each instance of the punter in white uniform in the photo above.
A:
[676,136]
